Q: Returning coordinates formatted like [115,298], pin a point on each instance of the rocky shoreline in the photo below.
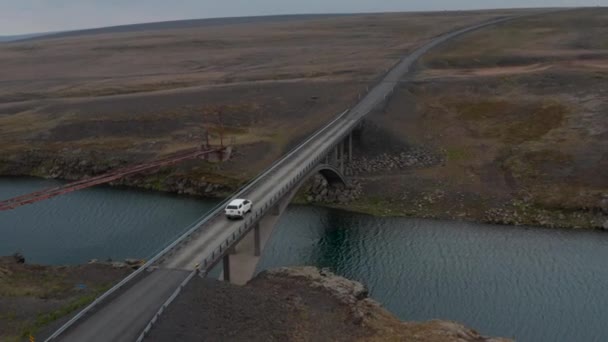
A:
[77,165]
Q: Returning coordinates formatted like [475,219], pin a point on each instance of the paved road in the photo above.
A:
[125,317]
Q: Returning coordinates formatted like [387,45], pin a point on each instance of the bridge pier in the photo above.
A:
[243,262]
[240,266]
[335,159]
[226,264]
[350,147]
[256,240]
[341,146]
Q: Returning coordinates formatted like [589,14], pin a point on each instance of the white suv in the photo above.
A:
[238,208]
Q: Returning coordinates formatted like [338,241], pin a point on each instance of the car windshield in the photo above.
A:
[232,207]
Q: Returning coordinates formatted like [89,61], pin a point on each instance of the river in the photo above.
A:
[525,283]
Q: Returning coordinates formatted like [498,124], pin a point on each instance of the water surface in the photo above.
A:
[94,223]
[525,283]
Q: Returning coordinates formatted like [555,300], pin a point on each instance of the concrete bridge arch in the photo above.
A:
[241,264]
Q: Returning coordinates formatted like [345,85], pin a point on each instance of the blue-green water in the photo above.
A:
[525,283]
[95,223]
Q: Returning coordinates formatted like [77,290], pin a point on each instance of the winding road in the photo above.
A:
[124,315]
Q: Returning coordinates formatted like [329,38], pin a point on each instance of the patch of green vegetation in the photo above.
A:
[538,122]
[27,285]
[510,122]
[531,166]
[211,175]
[485,61]
[376,206]
[45,319]
[41,170]
[157,180]
[482,109]
[455,153]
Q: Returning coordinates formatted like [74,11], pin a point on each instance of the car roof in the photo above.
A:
[237,201]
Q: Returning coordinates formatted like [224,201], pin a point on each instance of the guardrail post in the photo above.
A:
[226,264]
[256,240]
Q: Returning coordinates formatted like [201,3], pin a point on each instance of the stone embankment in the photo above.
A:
[412,158]
[76,165]
[318,190]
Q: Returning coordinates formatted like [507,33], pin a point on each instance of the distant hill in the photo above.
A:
[176,24]
[20,37]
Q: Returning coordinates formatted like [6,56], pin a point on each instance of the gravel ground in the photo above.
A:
[274,310]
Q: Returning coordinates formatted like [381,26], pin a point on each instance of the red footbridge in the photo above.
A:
[41,195]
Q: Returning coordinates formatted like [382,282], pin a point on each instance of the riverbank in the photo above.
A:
[295,304]
[429,205]
[32,297]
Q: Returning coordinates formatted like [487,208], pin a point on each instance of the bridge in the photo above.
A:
[128,311]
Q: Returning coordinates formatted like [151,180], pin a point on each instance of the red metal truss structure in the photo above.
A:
[37,196]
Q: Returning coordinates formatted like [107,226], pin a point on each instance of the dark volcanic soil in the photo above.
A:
[292,304]
[223,312]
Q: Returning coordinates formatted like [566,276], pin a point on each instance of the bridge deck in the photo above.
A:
[116,322]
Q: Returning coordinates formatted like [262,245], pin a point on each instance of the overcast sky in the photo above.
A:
[27,16]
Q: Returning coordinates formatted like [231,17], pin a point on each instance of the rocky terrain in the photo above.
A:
[294,304]
[504,125]
[317,190]
[76,106]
